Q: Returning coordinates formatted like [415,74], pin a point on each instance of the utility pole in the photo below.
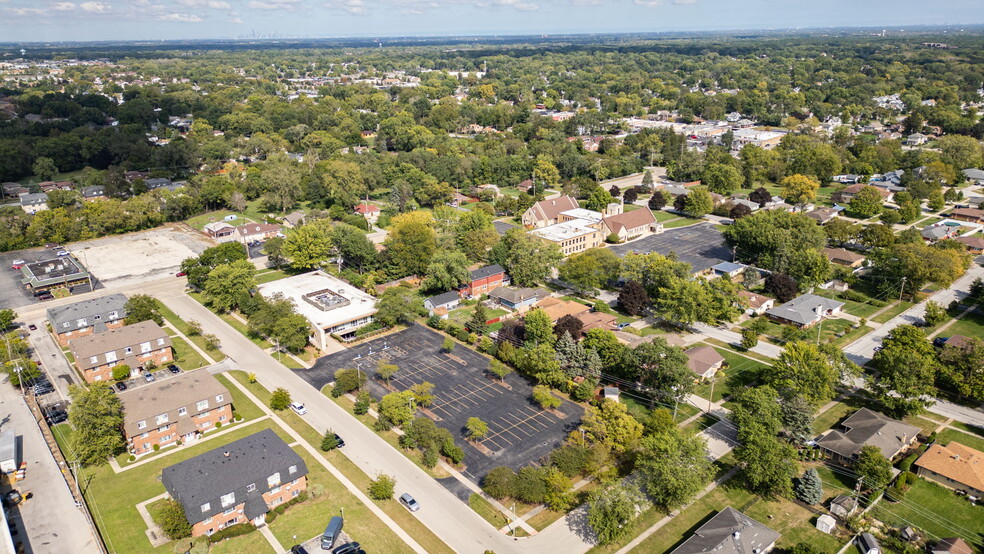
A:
[710,399]
[857,490]
[820,325]
[902,288]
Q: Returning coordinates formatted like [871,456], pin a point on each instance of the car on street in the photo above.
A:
[61,253]
[174,369]
[339,440]
[409,502]
[349,548]
[16,264]
[149,377]
[298,549]
[181,274]
[120,386]
[298,408]
[32,327]
[57,417]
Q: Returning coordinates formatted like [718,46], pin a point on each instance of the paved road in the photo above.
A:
[53,362]
[49,520]
[461,528]
[862,350]
[731,337]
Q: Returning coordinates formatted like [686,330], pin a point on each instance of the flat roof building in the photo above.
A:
[330,305]
[55,273]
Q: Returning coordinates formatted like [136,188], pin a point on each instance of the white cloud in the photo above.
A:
[95,7]
[273,4]
[63,6]
[354,7]
[25,11]
[214,4]
[235,20]
[180,17]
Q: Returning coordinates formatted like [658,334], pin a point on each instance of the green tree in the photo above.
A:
[698,203]
[352,245]
[797,419]
[475,234]
[907,368]
[386,370]
[961,152]
[448,345]
[722,178]
[142,307]
[7,317]
[280,399]
[307,247]
[867,202]
[476,428]
[291,332]
[121,372]
[633,297]
[590,270]
[936,201]
[543,397]
[398,305]
[381,488]
[398,407]
[662,369]
[499,369]
[611,425]
[768,464]
[539,328]
[803,370]
[172,520]
[499,483]
[348,380]
[545,175]
[477,323]
[447,271]
[44,168]
[96,414]
[329,441]
[610,511]
[935,313]
[749,338]
[799,189]
[963,368]
[872,468]
[674,467]
[809,487]
[527,259]
[228,283]
[274,249]
[411,243]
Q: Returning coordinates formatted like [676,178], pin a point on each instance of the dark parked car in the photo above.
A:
[938,342]
[174,369]
[341,442]
[32,327]
[350,548]
[298,549]
[120,386]
[57,417]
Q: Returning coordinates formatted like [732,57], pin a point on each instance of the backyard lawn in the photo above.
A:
[970,325]
[938,511]
[973,441]
[740,372]
[186,356]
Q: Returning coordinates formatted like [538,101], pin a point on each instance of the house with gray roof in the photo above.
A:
[938,232]
[868,428]
[94,192]
[805,310]
[236,483]
[134,345]
[33,203]
[974,174]
[443,303]
[518,298]
[730,532]
[87,317]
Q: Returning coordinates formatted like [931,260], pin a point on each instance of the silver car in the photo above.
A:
[409,502]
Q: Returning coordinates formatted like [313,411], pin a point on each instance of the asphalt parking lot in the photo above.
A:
[702,245]
[12,292]
[520,432]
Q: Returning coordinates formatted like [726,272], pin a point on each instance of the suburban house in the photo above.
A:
[952,545]
[157,183]
[757,303]
[95,192]
[704,361]
[177,408]
[557,308]
[848,193]
[805,310]
[442,303]
[972,215]
[935,233]
[729,532]
[843,505]
[916,139]
[547,212]
[236,483]
[331,305]
[220,231]
[629,225]
[598,320]
[525,185]
[840,256]
[975,245]
[868,428]
[731,269]
[33,203]
[518,299]
[823,215]
[293,220]
[974,174]
[257,232]
[954,466]
[88,317]
[133,345]
[484,280]
[368,211]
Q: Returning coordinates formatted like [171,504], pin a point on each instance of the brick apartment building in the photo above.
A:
[134,345]
[236,483]
[177,408]
[88,317]
[484,280]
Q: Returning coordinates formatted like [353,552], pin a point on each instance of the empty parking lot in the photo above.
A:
[702,246]
[520,432]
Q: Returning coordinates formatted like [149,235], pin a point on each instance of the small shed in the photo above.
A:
[826,523]
[8,452]
[610,393]
[843,505]
[868,544]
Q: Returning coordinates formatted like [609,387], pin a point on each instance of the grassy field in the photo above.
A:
[241,405]
[681,222]
[234,323]
[463,315]
[182,325]
[970,325]
[895,310]
[186,356]
[268,275]
[832,417]
[252,543]
[640,408]
[858,309]
[67,176]
[927,426]
[969,428]
[937,510]
[252,213]
[488,512]
[740,372]
[965,439]
[663,217]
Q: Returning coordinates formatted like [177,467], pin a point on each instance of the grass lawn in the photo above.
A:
[858,309]
[832,417]
[67,176]
[240,404]
[112,497]
[937,510]
[663,217]
[182,325]
[927,426]
[740,372]
[463,315]
[186,356]
[796,523]
[681,222]
[488,512]
[969,428]
[640,408]
[309,518]
[895,310]
[965,439]
[270,275]
[234,323]
[970,325]
[252,543]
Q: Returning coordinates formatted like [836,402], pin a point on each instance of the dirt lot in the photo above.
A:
[143,255]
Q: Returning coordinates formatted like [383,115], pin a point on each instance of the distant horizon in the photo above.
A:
[47,21]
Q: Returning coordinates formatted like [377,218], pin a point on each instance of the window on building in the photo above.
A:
[146,445]
[229,511]
[141,424]
[292,470]
[222,418]
[228,499]
[206,507]
[162,419]
[182,411]
[82,322]
[93,359]
[295,493]
[128,350]
[164,428]
[209,520]
[218,398]
[145,347]
[160,342]
[276,501]
[113,315]
[273,480]
[202,405]
[251,487]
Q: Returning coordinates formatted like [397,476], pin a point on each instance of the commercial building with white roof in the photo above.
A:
[573,236]
[330,305]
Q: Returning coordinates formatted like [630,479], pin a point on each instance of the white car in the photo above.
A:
[298,408]
[16,264]
[61,253]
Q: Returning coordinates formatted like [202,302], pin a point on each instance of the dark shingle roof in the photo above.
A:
[250,461]
[444,298]
[866,427]
[487,271]
[87,310]
[729,532]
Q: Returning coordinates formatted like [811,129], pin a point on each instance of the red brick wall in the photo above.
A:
[105,372]
[205,421]
[63,338]
[273,499]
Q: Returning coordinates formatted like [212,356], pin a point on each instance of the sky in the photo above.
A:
[73,20]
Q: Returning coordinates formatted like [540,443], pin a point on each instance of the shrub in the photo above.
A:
[906,464]
[121,372]
[157,447]
[429,458]
[382,424]
[279,510]
[583,391]
[448,345]
[329,442]
[132,458]
[612,238]
[232,531]
[172,520]
[571,459]
[218,424]
[462,335]
[543,397]
[499,483]
[347,380]
[362,403]
[237,416]
[435,322]
[381,488]
[280,399]
[453,452]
